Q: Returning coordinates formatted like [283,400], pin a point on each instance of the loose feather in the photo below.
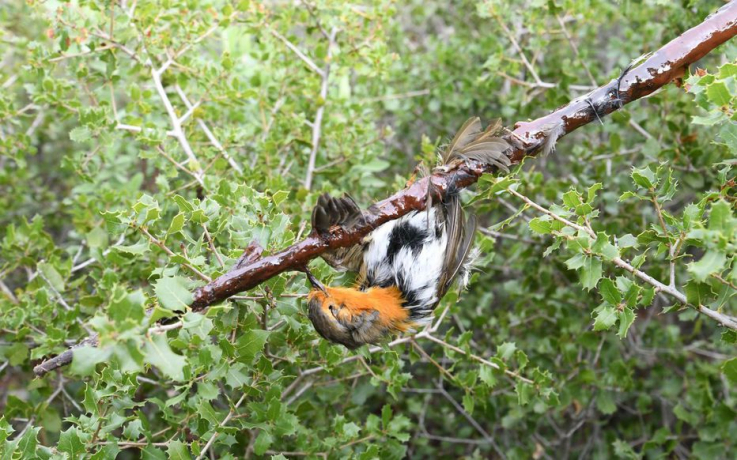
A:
[552,132]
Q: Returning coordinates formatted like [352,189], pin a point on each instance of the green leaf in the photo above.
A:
[235,377]
[351,430]
[712,262]
[173,293]
[183,204]
[506,350]
[718,93]
[698,293]
[638,260]
[52,276]
[729,336]
[127,307]
[486,374]
[644,177]
[572,199]
[469,403]
[605,318]
[541,225]
[72,442]
[23,447]
[627,241]
[729,369]
[605,403]
[728,134]
[591,272]
[279,197]
[263,442]
[80,134]
[576,261]
[682,414]
[158,353]
[604,247]
[85,359]
[177,224]
[251,343]
[97,238]
[609,291]
[626,318]
[721,218]
[137,249]
[624,450]
[177,450]
[524,392]
[591,194]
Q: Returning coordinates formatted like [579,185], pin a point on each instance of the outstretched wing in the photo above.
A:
[343,212]
[469,143]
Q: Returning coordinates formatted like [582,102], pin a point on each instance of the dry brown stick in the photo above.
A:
[665,65]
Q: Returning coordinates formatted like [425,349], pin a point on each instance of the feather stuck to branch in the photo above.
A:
[528,139]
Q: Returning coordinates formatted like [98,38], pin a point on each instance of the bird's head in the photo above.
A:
[352,317]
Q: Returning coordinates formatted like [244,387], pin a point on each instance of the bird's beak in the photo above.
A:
[314,282]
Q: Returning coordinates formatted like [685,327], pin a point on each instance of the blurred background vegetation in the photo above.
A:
[144,144]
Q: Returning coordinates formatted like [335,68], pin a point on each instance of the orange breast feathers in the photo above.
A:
[346,302]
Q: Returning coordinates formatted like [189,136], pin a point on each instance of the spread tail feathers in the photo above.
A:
[473,143]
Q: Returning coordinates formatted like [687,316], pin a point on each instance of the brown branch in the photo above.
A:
[528,138]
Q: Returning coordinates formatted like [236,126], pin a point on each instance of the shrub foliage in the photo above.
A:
[144,144]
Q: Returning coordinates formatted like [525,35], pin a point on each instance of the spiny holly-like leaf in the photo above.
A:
[172,293]
[158,353]
[177,450]
[250,343]
[626,317]
[605,318]
[609,291]
[590,272]
[729,368]
[711,262]
[72,442]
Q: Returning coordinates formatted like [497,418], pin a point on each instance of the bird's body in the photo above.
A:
[404,266]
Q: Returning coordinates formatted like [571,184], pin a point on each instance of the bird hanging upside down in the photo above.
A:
[405,266]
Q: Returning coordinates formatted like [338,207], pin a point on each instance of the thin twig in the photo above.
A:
[317,124]
[210,136]
[222,424]
[310,63]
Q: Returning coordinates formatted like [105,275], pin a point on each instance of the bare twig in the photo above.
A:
[177,131]
[310,63]
[317,124]
[203,126]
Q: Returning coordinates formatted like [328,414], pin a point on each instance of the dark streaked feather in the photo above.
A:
[343,212]
[485,147]
[457,259]
[468,132]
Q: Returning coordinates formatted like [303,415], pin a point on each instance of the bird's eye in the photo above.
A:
[333,310]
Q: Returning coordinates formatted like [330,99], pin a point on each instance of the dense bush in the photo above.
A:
[144,144]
